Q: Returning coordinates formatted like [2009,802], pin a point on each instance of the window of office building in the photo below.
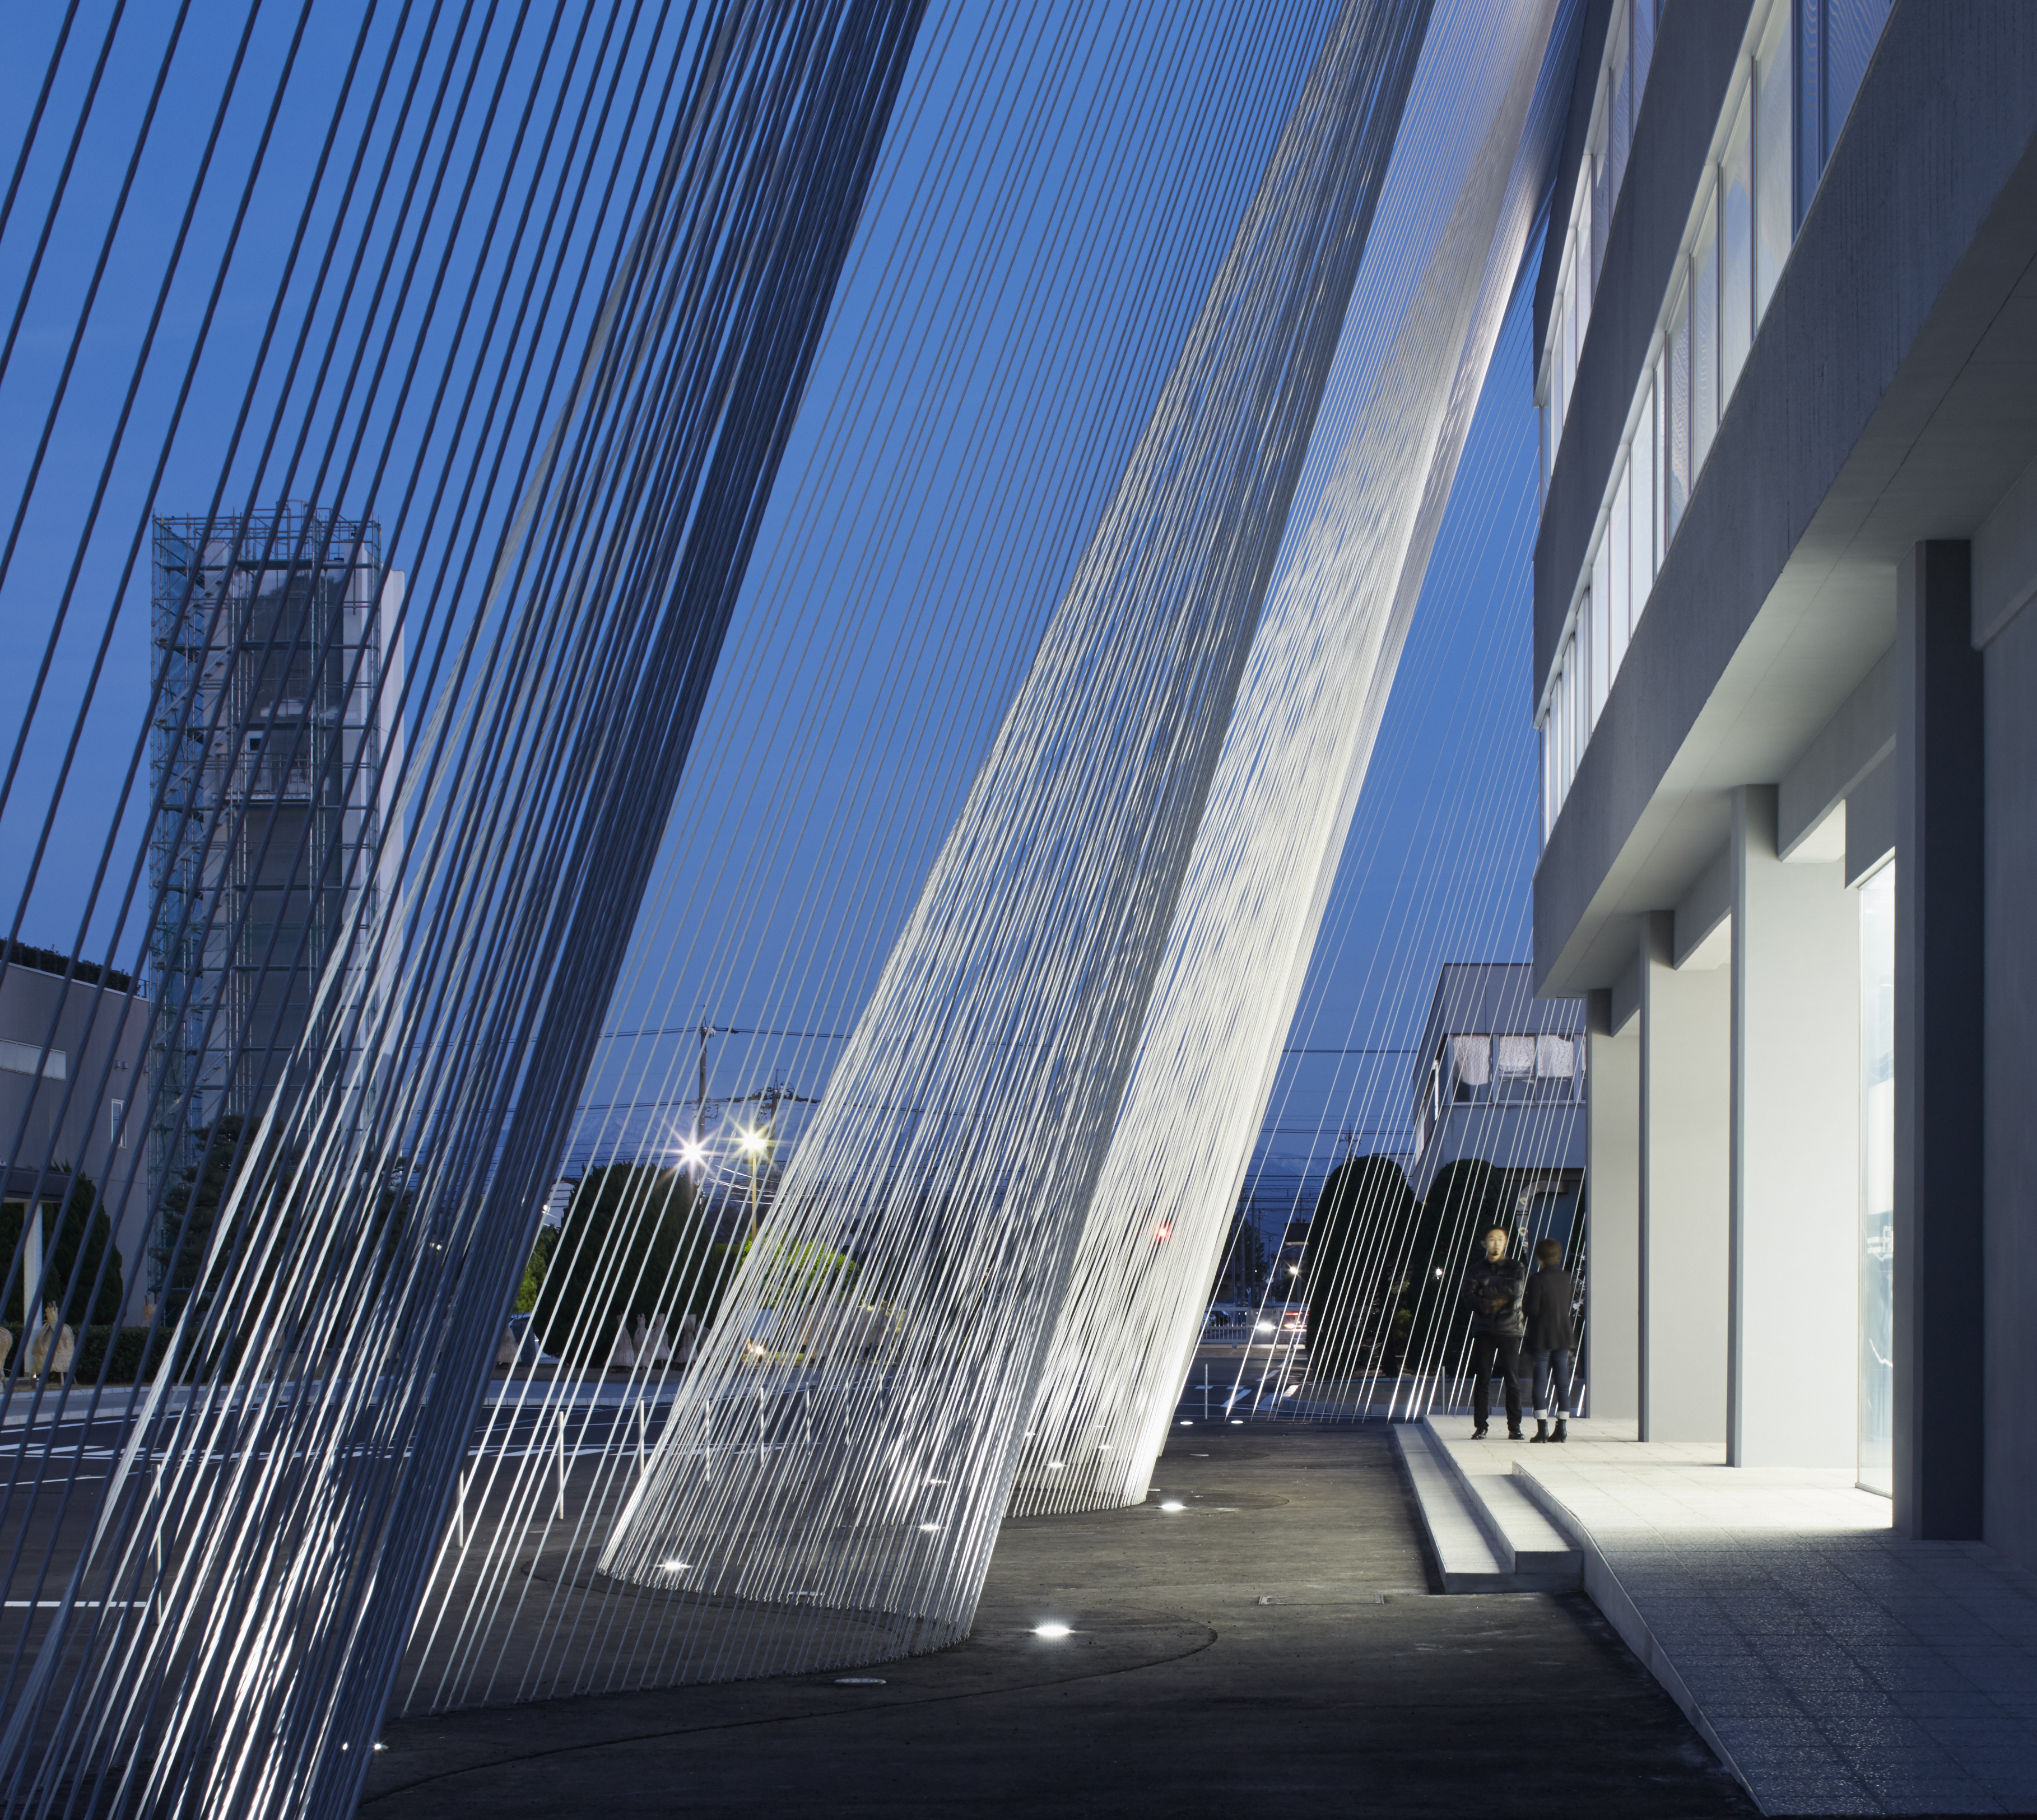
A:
[1782,115]
[1877,1176]
[1629,49]
[1835,40]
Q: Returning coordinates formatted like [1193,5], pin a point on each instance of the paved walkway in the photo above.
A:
[1839,1668]
[1272,1647]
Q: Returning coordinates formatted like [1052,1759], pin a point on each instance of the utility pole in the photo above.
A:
[700,1104]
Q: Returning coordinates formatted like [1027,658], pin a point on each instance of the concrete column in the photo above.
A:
[1685,1027]
[1940,976]
[1793,1392]
[1611,1364]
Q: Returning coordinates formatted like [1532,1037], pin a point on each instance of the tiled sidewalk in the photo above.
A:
[1840,1669]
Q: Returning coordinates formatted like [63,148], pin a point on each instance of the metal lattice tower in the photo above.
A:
[270,623]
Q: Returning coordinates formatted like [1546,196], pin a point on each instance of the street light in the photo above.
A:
[752,1142]
[762,1139]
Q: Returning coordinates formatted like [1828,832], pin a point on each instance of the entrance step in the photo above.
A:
[1489,1533]
[1464,1552]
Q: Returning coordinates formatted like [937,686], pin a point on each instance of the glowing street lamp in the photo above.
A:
[753,1143]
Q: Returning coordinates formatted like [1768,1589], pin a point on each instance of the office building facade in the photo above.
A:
[1784,668]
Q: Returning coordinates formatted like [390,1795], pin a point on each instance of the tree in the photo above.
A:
[633,1242]
[191,1202]
[1365,1212]
[535,1268]
[76,1245]
[1466,1196]
[789,1274]
[272,1222]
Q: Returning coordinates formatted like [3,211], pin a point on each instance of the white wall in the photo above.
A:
[1612,1311]
[1685,1032]
[1793,1385]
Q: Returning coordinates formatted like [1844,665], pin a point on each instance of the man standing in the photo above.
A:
[1493,1288]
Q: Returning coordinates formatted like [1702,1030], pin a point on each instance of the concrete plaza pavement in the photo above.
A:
[1274,1644]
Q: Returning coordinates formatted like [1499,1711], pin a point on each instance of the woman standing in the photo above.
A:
[1550,1339]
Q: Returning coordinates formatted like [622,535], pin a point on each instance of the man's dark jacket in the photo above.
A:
[1493,1292]
[1547,1308]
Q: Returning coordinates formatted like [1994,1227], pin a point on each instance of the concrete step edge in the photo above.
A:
[1495,1532]
[1535,1539]
[1464,1552]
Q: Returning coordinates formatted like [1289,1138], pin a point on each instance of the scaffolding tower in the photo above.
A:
[267,762]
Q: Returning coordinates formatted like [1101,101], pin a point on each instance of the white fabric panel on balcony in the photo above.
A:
[1472,1057]
[1516,1056]
[1555,1058]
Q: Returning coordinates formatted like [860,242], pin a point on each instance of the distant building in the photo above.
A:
[1499,1077]
[271,748]
[558,1200]
[72,1101]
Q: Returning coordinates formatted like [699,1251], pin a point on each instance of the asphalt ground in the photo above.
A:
[1274,1645]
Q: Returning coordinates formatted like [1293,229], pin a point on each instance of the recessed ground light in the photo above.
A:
[385,1747]
[674,1566]
[1237,1421]
[859,1681]
[937,1481]
[1056,1465]
[930,1529]
[1050,1630]
[1188,1425]
[1173,1504]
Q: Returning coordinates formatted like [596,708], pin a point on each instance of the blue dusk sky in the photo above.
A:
[1059,185]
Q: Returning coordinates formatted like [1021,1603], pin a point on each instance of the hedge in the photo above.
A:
[127,1343]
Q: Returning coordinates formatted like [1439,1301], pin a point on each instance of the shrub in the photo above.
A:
[127,1343]
[77,1243]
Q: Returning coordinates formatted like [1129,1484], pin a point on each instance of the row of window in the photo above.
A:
[1787,102]
[1623,76]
